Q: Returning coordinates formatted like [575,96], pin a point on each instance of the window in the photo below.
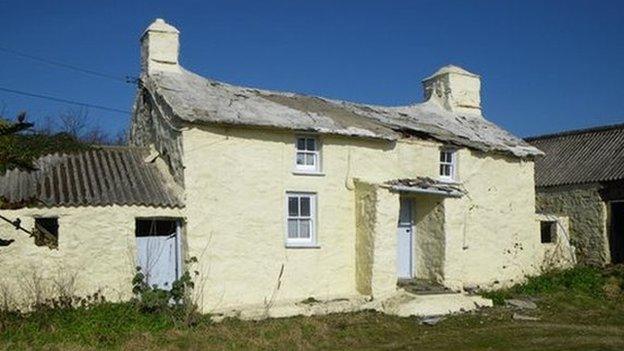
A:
[308,155]
[447,164]
[301,212]
[46,232]
[548,230]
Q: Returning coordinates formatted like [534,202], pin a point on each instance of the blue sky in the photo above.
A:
[545,65]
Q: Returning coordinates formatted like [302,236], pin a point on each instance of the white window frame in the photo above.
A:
[296,241]
[452,164]
[311,169]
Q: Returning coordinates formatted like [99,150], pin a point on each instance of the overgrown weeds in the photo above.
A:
[56,315]
[585,281]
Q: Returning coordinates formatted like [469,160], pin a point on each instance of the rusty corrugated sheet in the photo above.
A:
[97,177]
[581,156]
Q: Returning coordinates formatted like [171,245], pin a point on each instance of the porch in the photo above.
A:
[400,235]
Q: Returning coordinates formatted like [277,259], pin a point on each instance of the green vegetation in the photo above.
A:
[19,150]
[578,309]
[580,281]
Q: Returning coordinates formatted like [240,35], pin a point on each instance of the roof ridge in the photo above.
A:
[564,133]
[91,148]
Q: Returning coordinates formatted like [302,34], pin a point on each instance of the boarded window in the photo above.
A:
[548,231]
[46,232]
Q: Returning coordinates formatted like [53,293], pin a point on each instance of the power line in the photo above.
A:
[127,79]
[72,102]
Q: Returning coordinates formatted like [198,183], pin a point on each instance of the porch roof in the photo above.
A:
[426,185]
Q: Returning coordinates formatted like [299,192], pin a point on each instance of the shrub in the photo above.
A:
[176,301]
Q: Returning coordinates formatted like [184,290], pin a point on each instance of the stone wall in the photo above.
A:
[559,253]
[587,214]
[429,248]
[365,218]
[236,221]
[96,252]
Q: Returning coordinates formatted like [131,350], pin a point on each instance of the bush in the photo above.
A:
[175,302]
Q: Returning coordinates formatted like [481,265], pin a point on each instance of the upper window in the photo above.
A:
[447,164]
[308,155]
[301,213]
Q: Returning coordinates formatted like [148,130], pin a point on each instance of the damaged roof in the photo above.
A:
[580,156]
[426,185]
[97,177]
[196,99]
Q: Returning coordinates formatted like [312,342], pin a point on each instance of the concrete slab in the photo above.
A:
[404,304]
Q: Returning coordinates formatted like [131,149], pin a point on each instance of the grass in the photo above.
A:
[574,310]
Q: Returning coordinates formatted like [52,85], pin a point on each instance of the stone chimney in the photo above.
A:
[160,46]
[456,89]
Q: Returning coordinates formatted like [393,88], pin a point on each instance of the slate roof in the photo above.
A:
[195,99]
[580,156]
[426,185]
[98,177]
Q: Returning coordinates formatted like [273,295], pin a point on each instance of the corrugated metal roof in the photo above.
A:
[195,99]
[580,156]
[98,177]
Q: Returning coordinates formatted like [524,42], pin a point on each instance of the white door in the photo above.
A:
[405,237]
[159,258]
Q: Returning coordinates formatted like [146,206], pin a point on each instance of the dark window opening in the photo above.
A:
[155,227]
[46,232]
[548,231]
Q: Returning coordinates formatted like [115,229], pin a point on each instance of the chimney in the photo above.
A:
[456,89]
[159,48]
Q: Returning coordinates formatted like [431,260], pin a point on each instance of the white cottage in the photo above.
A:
[283,197]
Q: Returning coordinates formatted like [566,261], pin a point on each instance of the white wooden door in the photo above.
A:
[159,258]
[405,238]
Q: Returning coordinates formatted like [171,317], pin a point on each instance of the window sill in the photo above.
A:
[311,173]
[303,246]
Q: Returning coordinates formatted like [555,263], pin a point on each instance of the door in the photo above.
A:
[158,251]
[616,232]
[405,237]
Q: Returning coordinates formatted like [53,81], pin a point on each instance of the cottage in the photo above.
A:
[581,177]
[283,196]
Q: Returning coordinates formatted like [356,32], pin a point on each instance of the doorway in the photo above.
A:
[159,250]
[405,240]
[616,232]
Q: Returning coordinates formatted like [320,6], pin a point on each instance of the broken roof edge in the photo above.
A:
[395,131]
